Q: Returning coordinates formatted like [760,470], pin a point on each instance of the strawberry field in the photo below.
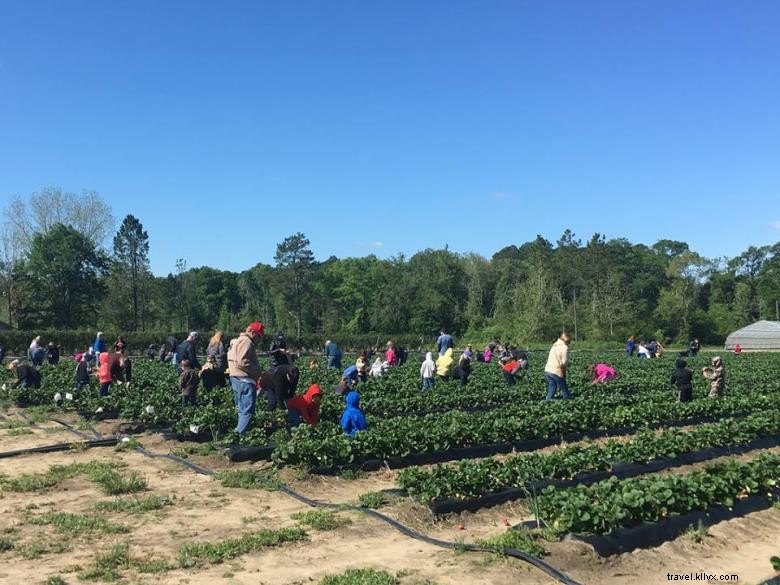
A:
[620,467]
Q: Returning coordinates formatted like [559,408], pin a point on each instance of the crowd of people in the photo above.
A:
[237,364]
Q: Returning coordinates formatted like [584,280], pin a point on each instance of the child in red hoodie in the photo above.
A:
[305,408]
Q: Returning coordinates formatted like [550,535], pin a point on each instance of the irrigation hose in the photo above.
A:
[69,428]
[403,529]
[59,447]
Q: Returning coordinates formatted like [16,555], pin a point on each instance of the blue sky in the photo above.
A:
[392,126]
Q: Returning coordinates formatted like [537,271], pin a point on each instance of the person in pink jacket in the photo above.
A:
[601,373]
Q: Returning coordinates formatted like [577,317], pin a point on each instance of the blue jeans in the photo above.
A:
[553,383]
[334,361]
[188,400]
[428,383]
[36,357]
[105,387]
[80,385]
[509,379]
[245,397]
[293,418]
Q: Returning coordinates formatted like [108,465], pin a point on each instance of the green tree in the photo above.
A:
[294,261]
[131,265]
[62,274]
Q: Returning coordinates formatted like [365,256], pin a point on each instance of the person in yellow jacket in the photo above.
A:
[557,364]
[444,364]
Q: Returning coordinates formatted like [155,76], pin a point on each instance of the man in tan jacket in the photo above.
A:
[244,369]
[557,364]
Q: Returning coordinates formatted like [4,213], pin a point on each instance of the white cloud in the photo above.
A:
[499,194]
[776,224]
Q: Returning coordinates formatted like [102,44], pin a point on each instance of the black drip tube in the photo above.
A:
[405,530]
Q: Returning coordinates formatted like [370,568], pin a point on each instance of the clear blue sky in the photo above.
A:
[392,126]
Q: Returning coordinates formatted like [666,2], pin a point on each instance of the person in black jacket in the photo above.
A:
[82,371]
[26,376]
[53,353]
[463,370]
[188,384]
[278,351]
[186,350]
[683,379]
[285,382]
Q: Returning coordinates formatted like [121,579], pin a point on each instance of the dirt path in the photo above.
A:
[204,511]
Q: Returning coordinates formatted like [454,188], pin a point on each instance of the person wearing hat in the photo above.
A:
[244,369]
[26,376]
[186,351]
[682,378]
[717,377]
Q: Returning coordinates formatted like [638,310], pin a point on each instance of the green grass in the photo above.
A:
[201,449]
[108,564]
[321,520]
[361,577]
[523,540]
[20,431]
[13,424]
[135,505]
[6,543]
[194,553]
[55,580]
[103,473]
[152,566]
[37,549]
[78,523]
[130,445]
[249,479]
[371,500]
[112,483]
[697,533]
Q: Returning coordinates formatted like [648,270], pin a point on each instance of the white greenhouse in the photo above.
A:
[761,335]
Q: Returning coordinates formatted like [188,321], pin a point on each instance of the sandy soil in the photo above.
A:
[206,511]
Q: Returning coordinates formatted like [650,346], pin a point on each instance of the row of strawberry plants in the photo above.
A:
[612,504]
[472,479]
[326,446]
[153,395]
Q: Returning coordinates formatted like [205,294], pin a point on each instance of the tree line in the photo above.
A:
[57,273]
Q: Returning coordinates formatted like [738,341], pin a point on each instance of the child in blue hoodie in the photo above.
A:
[353,419]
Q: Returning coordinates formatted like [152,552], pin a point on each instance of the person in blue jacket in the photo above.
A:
[333,353]
[99,346]
[353,419]
[351,374]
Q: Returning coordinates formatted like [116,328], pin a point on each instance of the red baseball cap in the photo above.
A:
[257,327]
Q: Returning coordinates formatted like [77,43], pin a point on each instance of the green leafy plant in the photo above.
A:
[191,554]
[321,519]
[361,577]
